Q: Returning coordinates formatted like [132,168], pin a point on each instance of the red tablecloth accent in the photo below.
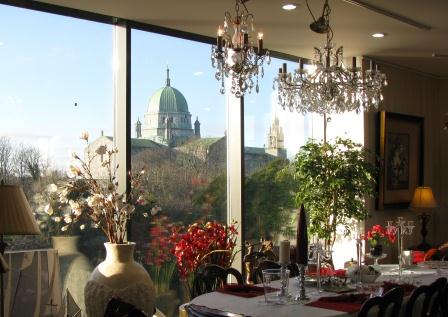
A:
[247,291]
[349,303]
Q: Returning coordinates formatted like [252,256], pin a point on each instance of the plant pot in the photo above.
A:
[121,277]
[75,267]
[377,250]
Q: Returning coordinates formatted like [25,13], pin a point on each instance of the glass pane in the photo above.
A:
[58,82]
[178,137]
[272,137]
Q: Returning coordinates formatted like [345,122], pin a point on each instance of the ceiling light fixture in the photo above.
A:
[289,6]
[332,87]
[234,54]
[378,35]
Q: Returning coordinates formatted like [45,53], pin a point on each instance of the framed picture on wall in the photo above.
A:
[401,148]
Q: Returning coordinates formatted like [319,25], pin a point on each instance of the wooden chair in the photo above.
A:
[209,277]
[444,301]
[393,298]
[267,265]
[429,296]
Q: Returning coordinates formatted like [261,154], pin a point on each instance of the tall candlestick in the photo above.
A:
[284,252]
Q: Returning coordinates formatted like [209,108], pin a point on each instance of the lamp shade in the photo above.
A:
[423,199]
[15,212]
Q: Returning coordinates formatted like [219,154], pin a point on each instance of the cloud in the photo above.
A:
[198,73]
[207,109]
[1,43]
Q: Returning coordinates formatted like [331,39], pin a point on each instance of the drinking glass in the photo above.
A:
[275,283]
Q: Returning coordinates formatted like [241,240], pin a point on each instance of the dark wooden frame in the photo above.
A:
[413,128]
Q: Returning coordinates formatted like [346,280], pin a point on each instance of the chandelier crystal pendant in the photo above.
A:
[332,87]
[235,55]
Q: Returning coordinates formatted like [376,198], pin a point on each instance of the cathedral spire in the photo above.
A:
[168,81]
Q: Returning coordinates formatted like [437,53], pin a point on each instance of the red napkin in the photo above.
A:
[408,288]
[349,303]
[247,291]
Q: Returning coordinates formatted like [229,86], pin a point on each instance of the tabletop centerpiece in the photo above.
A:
[202,243]
[378,236]
[95,195]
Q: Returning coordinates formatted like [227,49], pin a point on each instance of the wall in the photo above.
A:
[414,94]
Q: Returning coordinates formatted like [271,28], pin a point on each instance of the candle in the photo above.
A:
[302,238]
[260,43]
[284,68]
[301,64]
[354,62]
[246,39]
[219,40]
[284,252]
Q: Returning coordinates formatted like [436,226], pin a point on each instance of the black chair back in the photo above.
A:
[209,277]
[202,311]
[429,296]
[118,308]
[444,301]
[268,265]
[383,304]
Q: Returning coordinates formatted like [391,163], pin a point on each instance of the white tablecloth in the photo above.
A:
[256,306]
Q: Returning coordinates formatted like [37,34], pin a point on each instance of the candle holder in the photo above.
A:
[284,276]
[400,229]
[302,293]
[359,262]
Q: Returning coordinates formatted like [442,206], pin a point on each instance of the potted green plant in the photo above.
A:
[332,181]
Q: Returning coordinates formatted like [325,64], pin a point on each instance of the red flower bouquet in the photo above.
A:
[379,235]
[203,243]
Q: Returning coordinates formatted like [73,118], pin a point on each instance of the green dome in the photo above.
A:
[167,99]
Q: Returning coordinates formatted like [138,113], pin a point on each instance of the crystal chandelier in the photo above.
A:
[332,87]
[234,54]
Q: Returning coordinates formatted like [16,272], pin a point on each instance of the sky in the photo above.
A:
[49,63]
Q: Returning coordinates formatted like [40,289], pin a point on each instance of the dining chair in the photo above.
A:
[425,300]
[209,277]
[388,305]
[202,311]
[444,301]
[268,265]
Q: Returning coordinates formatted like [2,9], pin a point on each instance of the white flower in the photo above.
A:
[95,200]
[101,150]
[64,228]
[76,207]
[141,200]
[145,214]
[57,219]
[67,219]
[155,210]
[85,136]
[128,209]
[82,227]
[48,210]
[52,188]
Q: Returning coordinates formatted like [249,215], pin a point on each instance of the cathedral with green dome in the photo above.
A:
[168,120]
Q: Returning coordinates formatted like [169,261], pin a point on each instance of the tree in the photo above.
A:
[269,199]
[333,181]
[6,153]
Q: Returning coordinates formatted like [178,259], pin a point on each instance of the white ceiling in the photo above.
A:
[288,31]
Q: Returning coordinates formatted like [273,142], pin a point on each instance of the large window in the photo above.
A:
[272,137]
[57,83]
[178,136]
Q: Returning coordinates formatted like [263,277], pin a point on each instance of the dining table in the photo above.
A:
[256,306]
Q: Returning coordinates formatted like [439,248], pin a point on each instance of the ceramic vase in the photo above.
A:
[119,276]
[75,267]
